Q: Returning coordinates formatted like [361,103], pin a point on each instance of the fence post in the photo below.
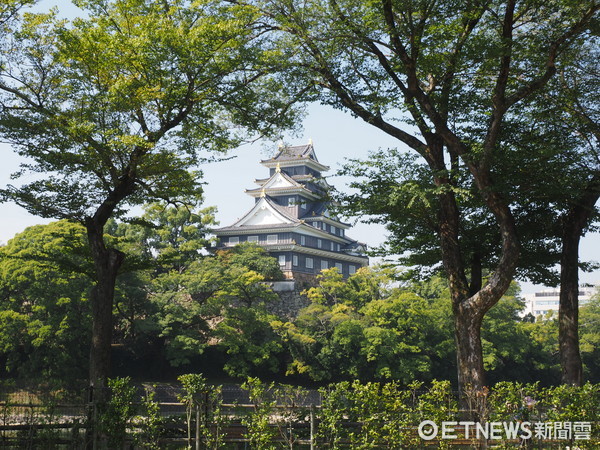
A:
[91,430]
[197,426]
[312,427]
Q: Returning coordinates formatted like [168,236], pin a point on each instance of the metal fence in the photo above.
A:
[33,419]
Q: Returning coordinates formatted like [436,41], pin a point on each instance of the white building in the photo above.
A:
[542,302]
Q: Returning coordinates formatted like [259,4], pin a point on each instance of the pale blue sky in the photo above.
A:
[336,136]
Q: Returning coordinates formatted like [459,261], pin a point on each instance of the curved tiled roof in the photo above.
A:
[295,152]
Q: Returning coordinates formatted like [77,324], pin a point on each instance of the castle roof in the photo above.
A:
[265,212]
[296,152]
[289,156]
[281,183]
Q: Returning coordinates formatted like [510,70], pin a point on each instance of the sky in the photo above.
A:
[336,135]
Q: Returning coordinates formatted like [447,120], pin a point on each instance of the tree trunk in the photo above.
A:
[471,303]
[576,220]
[568,310]
[107,263]
[469,354]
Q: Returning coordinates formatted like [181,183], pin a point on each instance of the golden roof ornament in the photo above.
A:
[263,194]
[278,168]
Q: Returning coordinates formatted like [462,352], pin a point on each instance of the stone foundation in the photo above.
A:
[288,305]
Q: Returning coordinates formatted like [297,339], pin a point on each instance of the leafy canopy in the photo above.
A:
[115,109]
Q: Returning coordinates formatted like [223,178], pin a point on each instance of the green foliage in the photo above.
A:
[149,422]
[517,350]
[163,303]
[8,12]
[405,332]
[378,413]
[391,333]
[589,334]
[258,421]
[252,346]
[274,408]
[255,258]
[44,308]
[117,414]
[572,403]
[113,110]
[172,236]
[220,297]
[514,401]
[171,80]
[290,412]
[202,402]
[351,414]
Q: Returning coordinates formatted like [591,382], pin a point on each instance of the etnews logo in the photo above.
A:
[429,430]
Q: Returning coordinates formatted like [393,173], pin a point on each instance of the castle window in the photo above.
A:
[331,246]
[351,269]
[282,260]
[295,260]
[234,240]
[253,239]
[271,239]
[324,264]
[339,267]
[309,263]
[291,201]
[302,240]
[319,243]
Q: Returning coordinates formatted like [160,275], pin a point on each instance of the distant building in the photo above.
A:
[292,221]
[542,302]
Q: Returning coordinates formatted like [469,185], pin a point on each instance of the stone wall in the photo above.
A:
[290,302]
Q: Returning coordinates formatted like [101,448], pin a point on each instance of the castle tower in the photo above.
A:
[292,221]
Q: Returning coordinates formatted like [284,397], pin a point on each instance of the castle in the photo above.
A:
[292,221]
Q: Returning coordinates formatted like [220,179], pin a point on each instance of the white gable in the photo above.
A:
[262,214]
[279,180]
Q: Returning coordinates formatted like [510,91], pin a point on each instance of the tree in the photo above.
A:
[114,109]
[174,237]
[160,246]
[219,298]
[458,70]
[554,142]
[366,329]
[45,276]
[581,118]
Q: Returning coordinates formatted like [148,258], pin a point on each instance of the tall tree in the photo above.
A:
[555,145]
[458,70]
[114,109]
[577,96]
